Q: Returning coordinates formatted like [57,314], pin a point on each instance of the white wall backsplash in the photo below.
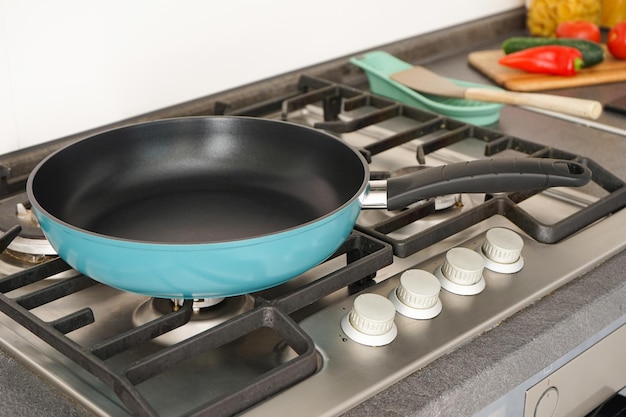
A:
[70,65]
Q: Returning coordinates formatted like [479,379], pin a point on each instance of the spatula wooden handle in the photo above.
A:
[590,109]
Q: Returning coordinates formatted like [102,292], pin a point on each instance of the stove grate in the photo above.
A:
[506,205]
[364,256]
[434,133]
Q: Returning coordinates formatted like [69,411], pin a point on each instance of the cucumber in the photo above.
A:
[592,52]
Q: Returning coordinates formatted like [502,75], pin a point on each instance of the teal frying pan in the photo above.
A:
[217,206]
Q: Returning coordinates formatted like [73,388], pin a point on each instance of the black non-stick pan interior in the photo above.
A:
[199,180]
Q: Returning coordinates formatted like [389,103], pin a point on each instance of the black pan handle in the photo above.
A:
[485,176]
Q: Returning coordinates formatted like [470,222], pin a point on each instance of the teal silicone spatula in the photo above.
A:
[426,81]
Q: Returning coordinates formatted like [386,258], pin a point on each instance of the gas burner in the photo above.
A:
[20,260]
[30,246]
[418,217]
[207,313]
[441,202]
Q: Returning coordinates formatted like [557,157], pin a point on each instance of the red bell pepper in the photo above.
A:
[548,59]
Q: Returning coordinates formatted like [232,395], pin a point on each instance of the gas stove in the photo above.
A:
[407,287]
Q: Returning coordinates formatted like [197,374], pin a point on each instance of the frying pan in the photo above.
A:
[215,206]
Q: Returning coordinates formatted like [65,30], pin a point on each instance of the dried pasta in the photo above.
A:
[545,15]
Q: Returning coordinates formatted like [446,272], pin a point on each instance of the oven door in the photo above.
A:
[586,384]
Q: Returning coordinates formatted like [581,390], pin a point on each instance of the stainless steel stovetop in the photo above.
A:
[347,372]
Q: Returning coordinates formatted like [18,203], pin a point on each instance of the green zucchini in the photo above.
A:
[592,52]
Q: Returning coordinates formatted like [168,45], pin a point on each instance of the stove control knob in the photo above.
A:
[462,272]
[417,296]
[370,322]
[502,251]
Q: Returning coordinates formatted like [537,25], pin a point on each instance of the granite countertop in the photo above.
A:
[482,370]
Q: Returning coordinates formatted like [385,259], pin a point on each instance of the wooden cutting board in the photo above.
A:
[608,71]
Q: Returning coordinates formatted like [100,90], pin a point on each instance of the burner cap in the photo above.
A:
[16,210]
[207,313]
[31,240]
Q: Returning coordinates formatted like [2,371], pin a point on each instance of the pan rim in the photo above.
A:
[40,211]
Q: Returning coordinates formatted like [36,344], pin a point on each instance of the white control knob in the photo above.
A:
[502,250]
[462,272]
[462,266]
[370,322]
[417,296]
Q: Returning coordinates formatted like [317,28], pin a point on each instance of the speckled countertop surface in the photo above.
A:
[487,367]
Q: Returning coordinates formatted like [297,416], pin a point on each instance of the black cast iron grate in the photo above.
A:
[364,256]
[439,132]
